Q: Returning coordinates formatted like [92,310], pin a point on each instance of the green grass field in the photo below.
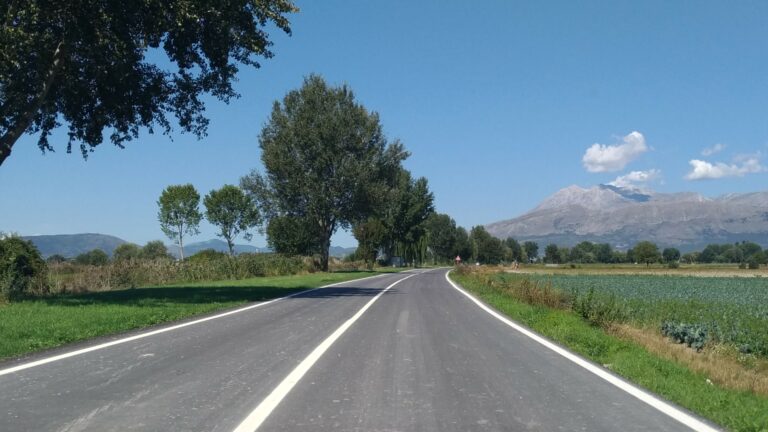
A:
[36,324]
[736,410]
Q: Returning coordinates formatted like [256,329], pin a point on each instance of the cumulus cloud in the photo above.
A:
[702,170]
[608,158]
[709,151]
[633,178]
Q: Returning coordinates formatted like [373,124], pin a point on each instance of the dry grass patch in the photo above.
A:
[723,365]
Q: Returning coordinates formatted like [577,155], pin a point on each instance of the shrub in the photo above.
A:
[753,264]
[673,264]
[22,269]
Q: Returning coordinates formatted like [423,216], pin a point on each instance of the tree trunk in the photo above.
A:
[22,124]
[325,252]
[326,245]
[181,243]
[231,246]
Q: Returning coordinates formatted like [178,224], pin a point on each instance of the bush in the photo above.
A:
[673,264]
[753,264]
[22,269]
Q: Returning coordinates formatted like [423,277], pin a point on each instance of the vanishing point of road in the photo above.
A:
[396,352]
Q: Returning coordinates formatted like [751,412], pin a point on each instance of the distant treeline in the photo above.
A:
[747,253]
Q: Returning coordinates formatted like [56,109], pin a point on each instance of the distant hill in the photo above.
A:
[221,246]
[71,245]
[623,216]
[341,252]
[215,244]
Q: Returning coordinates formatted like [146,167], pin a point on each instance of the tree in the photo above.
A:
[487,248]
[670,255]
[531,250]
[95,257]
[86,64]
[56,259]
[515,249]
[233,212]
[179,214]
[327,162]
[552,254]
[408,205]
[125,252]
[441,236]
[369,235]
[154,250]
[463,245]
[646,252]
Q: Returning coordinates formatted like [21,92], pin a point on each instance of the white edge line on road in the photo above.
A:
[644,396]
[265,408]
[63,356]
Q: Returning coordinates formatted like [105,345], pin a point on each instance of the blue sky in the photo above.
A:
[501,103]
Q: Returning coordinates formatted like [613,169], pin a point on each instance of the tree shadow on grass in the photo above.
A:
[154,297]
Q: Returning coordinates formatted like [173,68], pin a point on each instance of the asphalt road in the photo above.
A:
[419,356]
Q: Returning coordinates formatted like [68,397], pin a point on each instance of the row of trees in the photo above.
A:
[327,165]
[648,252]
[228,208]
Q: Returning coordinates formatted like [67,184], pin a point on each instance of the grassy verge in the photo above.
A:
[736,410]
[40,323]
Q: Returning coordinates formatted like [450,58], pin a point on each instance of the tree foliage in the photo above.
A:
[646,252]
[487,248]
[179,214]
[406,209]
[369,235]
[293,235]
[531,250]
[95,257]
[126,252]
[327,162]
[441,236]
[233,212]
[100,66]
[153,250]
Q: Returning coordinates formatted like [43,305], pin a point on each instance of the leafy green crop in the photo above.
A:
[731,310]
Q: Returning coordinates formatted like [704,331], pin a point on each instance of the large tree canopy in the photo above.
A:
[119,65]
[327,161]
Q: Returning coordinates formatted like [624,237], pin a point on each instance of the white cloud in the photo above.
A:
[709,151]
[635,177]
[702,170]
[607,158]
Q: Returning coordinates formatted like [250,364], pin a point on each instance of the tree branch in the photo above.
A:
[22,123]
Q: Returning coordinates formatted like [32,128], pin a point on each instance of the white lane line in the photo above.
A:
[265,408]
[47,360]
[644,396]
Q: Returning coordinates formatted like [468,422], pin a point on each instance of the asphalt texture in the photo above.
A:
[423,357]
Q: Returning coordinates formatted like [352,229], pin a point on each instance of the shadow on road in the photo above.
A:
[154,297]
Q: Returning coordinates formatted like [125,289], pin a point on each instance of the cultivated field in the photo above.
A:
[732,310]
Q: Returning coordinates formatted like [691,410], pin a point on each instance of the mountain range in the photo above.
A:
[623,216]
[71,245]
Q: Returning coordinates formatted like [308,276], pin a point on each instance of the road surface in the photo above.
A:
[398,352]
